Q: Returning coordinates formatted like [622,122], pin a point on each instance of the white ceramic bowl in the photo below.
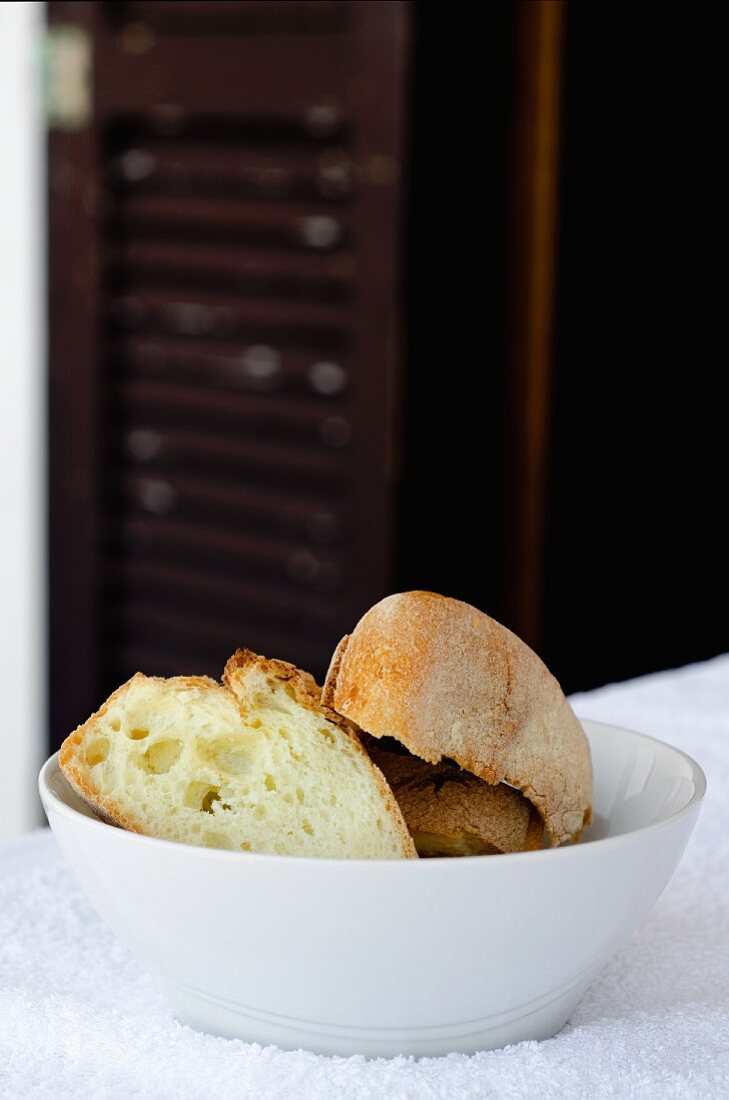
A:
[402,957]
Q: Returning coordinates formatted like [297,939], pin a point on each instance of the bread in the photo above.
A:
[448,681]
[258,768]
[451,812]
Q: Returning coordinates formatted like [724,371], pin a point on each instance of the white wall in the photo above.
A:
[22,419]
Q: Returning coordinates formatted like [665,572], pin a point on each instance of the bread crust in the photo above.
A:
[444,800]
[446,680]
[307,693]
[305,688]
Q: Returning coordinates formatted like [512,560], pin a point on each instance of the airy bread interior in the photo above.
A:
[184,759]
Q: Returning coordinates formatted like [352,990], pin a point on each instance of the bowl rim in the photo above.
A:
[569,851]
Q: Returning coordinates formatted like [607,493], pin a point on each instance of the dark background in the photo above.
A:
[623,574]
[635,556]
[635,549]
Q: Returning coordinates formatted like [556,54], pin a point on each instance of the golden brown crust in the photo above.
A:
[108,810]
[445,801]
[305,688]
[307,693]
[302,684]
[446,680]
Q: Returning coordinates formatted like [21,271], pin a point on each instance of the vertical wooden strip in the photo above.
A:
[73,408]
[539,36]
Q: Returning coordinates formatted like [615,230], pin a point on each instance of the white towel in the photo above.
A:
[80,1016]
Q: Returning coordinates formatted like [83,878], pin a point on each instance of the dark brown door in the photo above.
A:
[224,265]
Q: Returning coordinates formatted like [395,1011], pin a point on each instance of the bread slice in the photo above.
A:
[448,681]
[264,769]
[451,812]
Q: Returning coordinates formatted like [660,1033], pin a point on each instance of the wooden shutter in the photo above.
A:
[224,250]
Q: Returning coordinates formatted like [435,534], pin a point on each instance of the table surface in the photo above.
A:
[81,1016]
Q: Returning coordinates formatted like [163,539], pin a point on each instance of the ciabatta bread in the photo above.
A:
[262,768]
[449,682]
[451,812]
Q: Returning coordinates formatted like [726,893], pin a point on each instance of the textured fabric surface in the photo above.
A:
[80,1016]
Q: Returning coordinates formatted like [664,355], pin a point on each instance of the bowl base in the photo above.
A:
[231,1022]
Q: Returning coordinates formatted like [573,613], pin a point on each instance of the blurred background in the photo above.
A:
[303,303]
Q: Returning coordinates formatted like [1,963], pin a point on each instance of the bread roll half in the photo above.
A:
[447,681]
[262,767]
